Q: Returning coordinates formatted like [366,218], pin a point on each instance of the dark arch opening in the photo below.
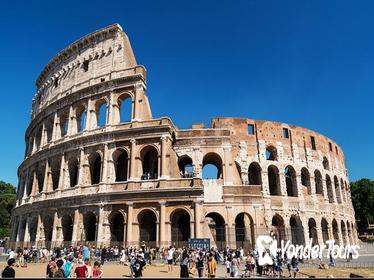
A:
[278,230]
[125,108]
[212,166]
[40,176]
[101,109]
[81,118]
[55,170]
[273,177]
[335,231]
[297,230]
[150,163]
[318,182]
[344,232]
[271,153]
[216,225]
[337,190]
[73,172]
[254,174]
[48,228]
[244,231]
[67,227]
[89,222]
[291,183]
[313,231]
[180,227]
[117,226]
[330,193]
[95,168]
[325,163]
[121,165]
[185,167]
[305,179]
[30,183]
[325,231]
[147,227]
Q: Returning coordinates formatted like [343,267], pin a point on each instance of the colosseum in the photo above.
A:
[99,168]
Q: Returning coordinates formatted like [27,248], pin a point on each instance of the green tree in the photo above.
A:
[8,198]
[362,192]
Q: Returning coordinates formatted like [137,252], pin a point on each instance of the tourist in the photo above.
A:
[85,252]
[211,266]
[184,265]
[278,262]
[81,270]
[200,264]
[11,254]
[59,273]
[89,268]
[9,271]
[51,267]
[234,266]
[331,262]
[138,265]
[228,266]
[97,272]
[170,256]
[123,256]
[288,263]
[295,266]
[68,266]
[103,255]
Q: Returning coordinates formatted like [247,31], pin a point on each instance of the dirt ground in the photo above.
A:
[160,271]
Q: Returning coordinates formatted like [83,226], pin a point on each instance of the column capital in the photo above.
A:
[133,141]
[162,202]
[130,204]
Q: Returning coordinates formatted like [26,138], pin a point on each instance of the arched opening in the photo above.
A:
[325,230]
[305,179]
[335,231]
[55,170]
[125,108]
[121,159]
[337,190]
[217,228]
[67,227]
[325,163]
[291,183]
[180,227]
[212,166]
[81,118]
[101,113]
[344,232]
[95,168]
[73,172]
[117,226]
[147,227]
[89,223]
[48,228]
[330,193]
[40,176]
[273,178]
[64,125]
[185,167]
[344,193]
[297,230]
[271,153]
[30,183]
[350,229]
[22,230]
[149,157]
[278,229]
[254,174]
[38,138]
[318,182]
[244,231]
[33,228]
[49,128]
[312,225]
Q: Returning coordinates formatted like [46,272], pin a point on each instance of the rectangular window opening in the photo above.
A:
[85,65]
[286,133]
[251,129]
[330,146]
[313,142]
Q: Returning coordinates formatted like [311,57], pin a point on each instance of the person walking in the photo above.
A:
[9,271]
[59,272]
[200,265]
[211,266]
[170,257]
[184,265]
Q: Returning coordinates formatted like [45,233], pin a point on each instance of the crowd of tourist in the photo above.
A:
[85,262]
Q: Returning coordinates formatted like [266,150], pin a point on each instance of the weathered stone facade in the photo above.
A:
[134,179]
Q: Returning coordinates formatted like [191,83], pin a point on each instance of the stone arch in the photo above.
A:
[38,137]
[254,174]
[124,102]
[330,193]
[95,162]
[244,231]
[350,230]
[55,165]
[305,179]
[217,228]
[33,227]
[335,231]
[48,228]
[21,233]
[40,173]
[89,223]
[149,157]
[64,123]
[291,181]
[67,227]
[30,183]
[101,109]
[185,166]
[271,153]
[318,182]
[274,182]
[312,226]
[343,190]
[147,219]
[49,124]
[337,190]
[297,230]
[344,231]
[117,226]
[73,167]
[121,165]
[212,163]
[278,228]
[81,117]
[180,220]
[325,230]
[325,163]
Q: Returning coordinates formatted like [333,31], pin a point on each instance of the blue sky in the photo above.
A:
[308,63]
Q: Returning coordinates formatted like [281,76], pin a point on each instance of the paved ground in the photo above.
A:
[160,271]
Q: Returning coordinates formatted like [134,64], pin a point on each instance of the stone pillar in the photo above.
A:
[198,215]
[61,181]
[265,183]
[282,182]
[162,241]
[319,233]
[100,238]
[104,177]
[300,187]
[111,110]
[312,186]
[47,184]
[20,230]
[40,231]
[81,172]
[43,137]
[227,168]
[324,188]
[90,115]
[164,165]
[76,226]
[26,183]
[27,230]
[34,147]
[133,169]
[129,237]
[56,228]
[34,188]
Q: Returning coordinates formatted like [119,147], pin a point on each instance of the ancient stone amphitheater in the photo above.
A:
[99,168]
